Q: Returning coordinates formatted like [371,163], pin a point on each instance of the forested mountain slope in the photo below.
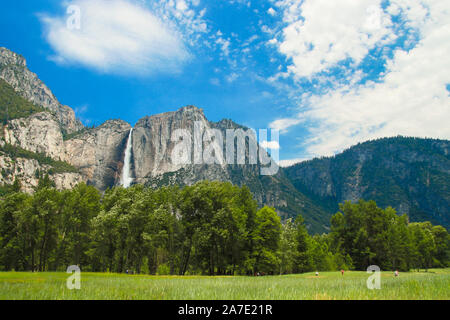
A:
[410,174]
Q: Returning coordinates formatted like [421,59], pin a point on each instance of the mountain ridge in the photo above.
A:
[14,70]
[311,188]
[410,174]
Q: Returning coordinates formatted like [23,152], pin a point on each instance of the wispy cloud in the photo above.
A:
[118,36]
[283,125]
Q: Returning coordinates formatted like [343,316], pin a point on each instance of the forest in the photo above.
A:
[210,228]
[13,106]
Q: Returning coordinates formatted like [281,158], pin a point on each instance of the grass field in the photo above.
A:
[434,284]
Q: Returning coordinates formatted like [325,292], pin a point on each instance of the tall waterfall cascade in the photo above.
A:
[127,179]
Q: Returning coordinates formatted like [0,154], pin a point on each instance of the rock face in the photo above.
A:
[98,153]
[410,174]
[39,133]
[155,139]
[154,165]
[152,141]
[25,170]
[13,69]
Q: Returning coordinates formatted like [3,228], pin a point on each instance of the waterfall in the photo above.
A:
[126,178]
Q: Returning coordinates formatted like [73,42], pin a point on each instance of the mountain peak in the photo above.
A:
[13,70]
[8,57]
[191,108]
[188,113]
[227,124]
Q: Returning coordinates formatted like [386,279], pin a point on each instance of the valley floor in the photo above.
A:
[434,284]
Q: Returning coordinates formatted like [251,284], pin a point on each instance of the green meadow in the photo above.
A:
[434,284]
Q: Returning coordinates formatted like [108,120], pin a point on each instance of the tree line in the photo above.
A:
[211,228]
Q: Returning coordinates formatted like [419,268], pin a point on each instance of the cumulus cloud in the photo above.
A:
[410,98]
[224,45]
[321,33]
[118,36]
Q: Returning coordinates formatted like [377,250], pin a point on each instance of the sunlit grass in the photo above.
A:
[434,284]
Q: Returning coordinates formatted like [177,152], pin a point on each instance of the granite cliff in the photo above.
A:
[38,135]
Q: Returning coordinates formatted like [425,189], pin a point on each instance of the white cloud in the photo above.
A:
[273,145]
[321,33]
[410,99]
[224,45]
[119,36]
[273,41]
[271,11]
[232,77]
[181,5]
[283,125]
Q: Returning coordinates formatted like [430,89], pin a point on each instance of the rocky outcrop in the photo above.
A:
[39,133]
[98,153]
[26,170]
[13,69]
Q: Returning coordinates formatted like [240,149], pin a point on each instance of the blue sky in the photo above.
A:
[327,74]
